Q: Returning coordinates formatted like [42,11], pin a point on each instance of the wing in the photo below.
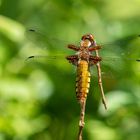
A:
[124,47]
[127,47]
[47,42]
[120,55]
[116,56]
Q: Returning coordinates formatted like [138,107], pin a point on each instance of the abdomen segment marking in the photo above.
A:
[82,80]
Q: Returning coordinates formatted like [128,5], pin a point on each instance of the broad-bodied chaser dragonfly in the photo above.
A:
[86,56]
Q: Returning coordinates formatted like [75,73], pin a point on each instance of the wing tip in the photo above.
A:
[30,57]
[31,30]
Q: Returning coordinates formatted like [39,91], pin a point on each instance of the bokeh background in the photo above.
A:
[37,97]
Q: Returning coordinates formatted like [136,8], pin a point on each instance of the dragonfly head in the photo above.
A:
[87,40]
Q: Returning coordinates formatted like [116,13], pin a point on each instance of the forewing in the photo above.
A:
[125,48]
[47,42]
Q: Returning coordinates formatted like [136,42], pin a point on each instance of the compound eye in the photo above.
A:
[83,37]
[88,37]
[91,37]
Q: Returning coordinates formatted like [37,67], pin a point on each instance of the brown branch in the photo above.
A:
[81,122]
[100,82]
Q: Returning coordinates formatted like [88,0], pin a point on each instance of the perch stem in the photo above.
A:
[81,122]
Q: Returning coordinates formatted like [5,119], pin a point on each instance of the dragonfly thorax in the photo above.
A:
[83,54]
[85,43]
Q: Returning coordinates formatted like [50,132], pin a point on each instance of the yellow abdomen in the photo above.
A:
[82,80]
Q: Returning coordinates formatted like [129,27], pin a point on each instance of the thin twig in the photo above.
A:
[81,122]
[100,82]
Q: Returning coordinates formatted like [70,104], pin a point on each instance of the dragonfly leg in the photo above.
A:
[73,59]
[73,47]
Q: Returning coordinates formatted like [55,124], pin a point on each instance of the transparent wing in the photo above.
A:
[112,68]
[120,55]
[47,42]
[125,48]
[46,50]
[116,56]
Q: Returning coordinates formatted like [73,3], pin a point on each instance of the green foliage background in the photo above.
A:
[37,98]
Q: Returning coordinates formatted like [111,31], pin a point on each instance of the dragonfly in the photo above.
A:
[86,56]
